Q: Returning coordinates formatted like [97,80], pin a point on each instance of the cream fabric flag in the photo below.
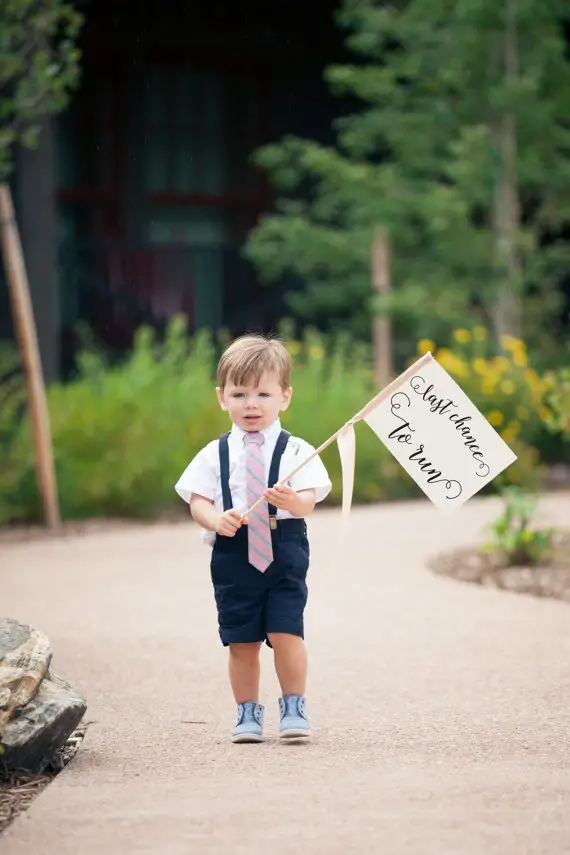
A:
[435,432]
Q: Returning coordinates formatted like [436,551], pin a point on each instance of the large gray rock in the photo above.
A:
[38,710]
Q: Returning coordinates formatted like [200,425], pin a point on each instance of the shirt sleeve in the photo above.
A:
[313,476]
[200,476]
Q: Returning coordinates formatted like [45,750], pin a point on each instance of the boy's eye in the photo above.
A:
[264,395]
[237,395]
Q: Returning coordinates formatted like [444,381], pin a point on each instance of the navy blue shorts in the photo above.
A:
[250,604]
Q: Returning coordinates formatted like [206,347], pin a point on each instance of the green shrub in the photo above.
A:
[122,434]
[559,402]
[12,407]
[512,532]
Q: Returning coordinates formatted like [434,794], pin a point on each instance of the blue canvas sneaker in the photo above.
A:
[294,722]
[249,724]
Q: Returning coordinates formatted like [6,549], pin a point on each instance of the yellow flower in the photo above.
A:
[479,333]
[522,413]
[452,363]
[508,387]
[519,358]
[425,345]
[507,436]
[488,385]
[462,336]
[510,432]
[480,366]
[501,363]
[510,343]
[495,418]
[316,352]
[544,414]
[293,347]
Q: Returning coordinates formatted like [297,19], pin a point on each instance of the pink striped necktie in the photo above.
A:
[260,549]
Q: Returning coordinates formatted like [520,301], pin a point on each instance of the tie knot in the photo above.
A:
[254,437]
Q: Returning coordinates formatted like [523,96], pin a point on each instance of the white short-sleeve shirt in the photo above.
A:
[202,475]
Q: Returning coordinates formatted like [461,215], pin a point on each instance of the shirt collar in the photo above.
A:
[269,433]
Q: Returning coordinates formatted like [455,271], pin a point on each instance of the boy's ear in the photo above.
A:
[287,393]
[220,394]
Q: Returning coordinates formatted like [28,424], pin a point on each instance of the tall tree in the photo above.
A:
[459,146]
[39,66]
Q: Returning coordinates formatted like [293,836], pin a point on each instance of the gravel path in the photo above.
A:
[440,709]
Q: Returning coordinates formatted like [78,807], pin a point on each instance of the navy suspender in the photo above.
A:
[280,446]
[225,471]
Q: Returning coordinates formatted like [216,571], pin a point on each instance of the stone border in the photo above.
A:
[18,791]
[549,579]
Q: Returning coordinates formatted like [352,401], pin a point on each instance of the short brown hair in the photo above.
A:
[250,356]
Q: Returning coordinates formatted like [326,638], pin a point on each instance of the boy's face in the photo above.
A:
[254,407]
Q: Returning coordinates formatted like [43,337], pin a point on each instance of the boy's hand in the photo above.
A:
[229,522]
[283,497]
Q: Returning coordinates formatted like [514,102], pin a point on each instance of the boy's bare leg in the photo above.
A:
[290,662]
[244,671]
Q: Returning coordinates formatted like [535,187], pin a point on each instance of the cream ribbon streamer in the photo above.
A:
[346,442]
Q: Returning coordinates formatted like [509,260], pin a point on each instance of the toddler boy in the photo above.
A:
[259,565]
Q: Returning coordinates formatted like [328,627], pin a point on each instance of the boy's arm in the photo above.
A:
[204,513]
[305,504]
[300,503]
[311,484]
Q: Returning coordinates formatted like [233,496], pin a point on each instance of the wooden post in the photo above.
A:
[381,327]
[25,327]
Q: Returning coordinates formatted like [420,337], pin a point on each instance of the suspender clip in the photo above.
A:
[273,522]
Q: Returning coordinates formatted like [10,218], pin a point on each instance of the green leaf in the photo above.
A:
[34,81]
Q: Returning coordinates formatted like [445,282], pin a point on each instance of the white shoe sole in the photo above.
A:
[247,737]
[295,734]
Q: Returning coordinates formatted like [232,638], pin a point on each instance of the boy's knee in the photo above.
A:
[245,652]
[284,639]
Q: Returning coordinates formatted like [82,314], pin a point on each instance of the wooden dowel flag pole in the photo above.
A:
[371,405]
